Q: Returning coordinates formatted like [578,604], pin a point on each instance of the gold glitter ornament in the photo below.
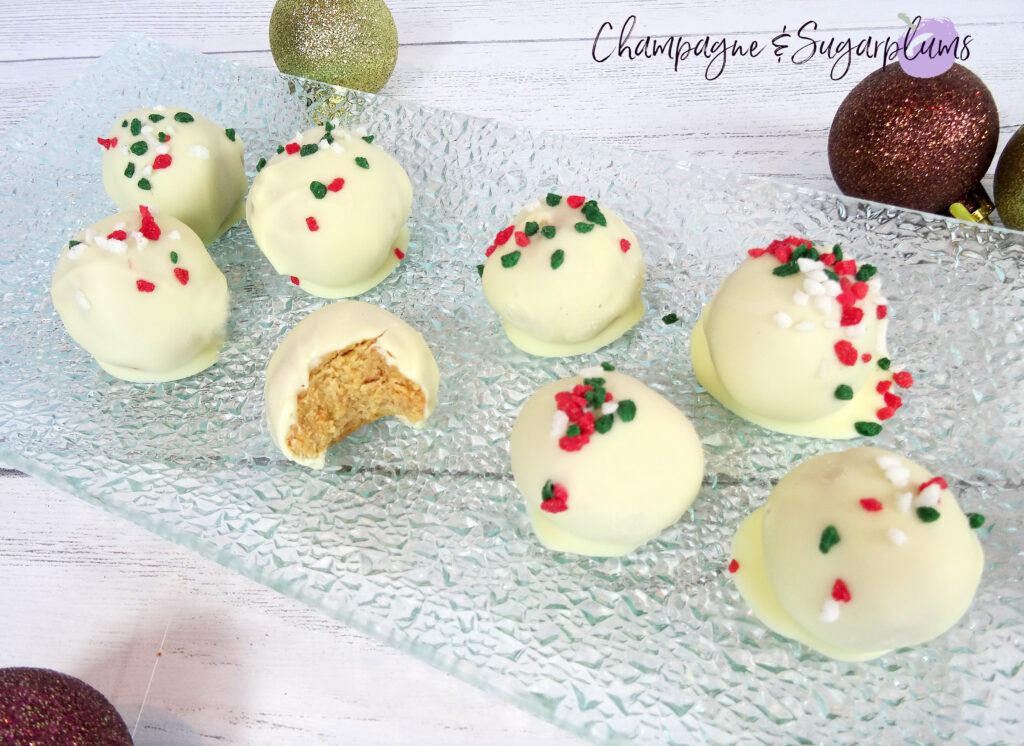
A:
[351,43]
[922,143]
[1009,184]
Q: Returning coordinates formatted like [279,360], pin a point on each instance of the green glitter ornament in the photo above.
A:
[352,43]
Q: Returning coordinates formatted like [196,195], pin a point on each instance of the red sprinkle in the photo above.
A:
[840,592]
[118,235]
[866,357]
[107,144]
[149,228]
[860,289]
[161,161]
[846,298]
[504,235]
[558,502]
[885,413]
[399,253]
[881,312]
[490,250]
[575,201]
[934,480]
[903,379]
[883,386]
[182,275]
[734,566]
[846,352]
[846,267]
[828,259]
[291,148]
[845,284]
[780,250]
[870,504]
[625,245]
[311,223]
[891,400]
[754,253]
[851,316]
[522,239]
[145,286]
[336,185]
[295,280]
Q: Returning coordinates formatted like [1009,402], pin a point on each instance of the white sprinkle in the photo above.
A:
[124,150]
[147,130]
[824,304]
[169,129]
[928,497]
[818,275]
[147,171]
[90,234]
[559,423]
[831,324]
[336,147]
[888,462]
[112,245]
[610,407]
[904,501]
[174,235]
[361,131]
[856,331]
[898,475]
[800,297]
[120,225]
[823,369]
[76,251]
[323,144]
[805,326]
[199,152]
[875,284]
[594,371]
[783,319]
[161,107]
[82,301]
[806,264]
[880,345]
[813,287]
[140,240]
[298,138]
[832,288]
[830,611]
[163,149]
[897,537]
[881,301]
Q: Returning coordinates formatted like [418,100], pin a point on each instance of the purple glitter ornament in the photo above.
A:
[39,707]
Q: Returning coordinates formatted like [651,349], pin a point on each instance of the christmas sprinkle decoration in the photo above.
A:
[928,515]
[294,280]
[669,318]
[135,128]
[174,257]
[584,227]
[734,565]
[336,185]
[480,270]
[586,410]
[840,592]
[846,352]
[884,363]
[557,257]
[975,520]
[548,231]
[312,224]
[307,150]
[575,201]
[368,138]
[184,117]
[504,235]
[624,245]
[161,161]
[608,366]
[154,118]
[144,184]
[844,392]
[530,228]
[593,213]
[399,253]
[903,379]
[260,164]
[510,260]
[117,235]
[129,170]
[868,429]
[292,148]
[362,162]
[829,538]
[522,240]
[107,144]
[139,148]
[181,275]
[554,498]
[627,410]
[553,200]
[149,228]
[144,286]
[230,133]
[871,504]
[318,189]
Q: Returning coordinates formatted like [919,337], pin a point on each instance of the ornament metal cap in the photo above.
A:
[974,207]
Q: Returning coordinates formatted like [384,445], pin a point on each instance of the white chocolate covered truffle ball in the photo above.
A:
[794,340]
[330,211]
[140,293]
[858,553]
[565,277]
[341,367]
[604,463]
[180,163]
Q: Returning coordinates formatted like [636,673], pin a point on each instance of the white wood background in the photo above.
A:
[215,658]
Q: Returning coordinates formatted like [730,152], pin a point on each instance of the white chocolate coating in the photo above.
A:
[329,329]
[589,301]
[359,222]
[766,349]
[624,486]
[140,313]
[908,580]
[204,183]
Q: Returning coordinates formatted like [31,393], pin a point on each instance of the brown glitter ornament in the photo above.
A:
[47,708]
[351,43]
[1009,184]
[921,143]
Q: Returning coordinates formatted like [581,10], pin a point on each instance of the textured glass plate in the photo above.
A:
[419,537]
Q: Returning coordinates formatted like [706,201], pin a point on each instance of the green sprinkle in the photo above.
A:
[548,231]
[329,138]
[161,136]
[812,253]
[837,252]
[136,127]
[368,138]
[975,520]
[144,184]
[884,363]
[593,213]
[531,228]
[184,117]
[557,258]
[553,200]
[139,148]
[595,382]
[928,515]
[548,490]
[308,149]
[670,318]
[362,162]
[124,122]
[129,170]
[785,270]
[584,227]
[608,366]
[626,410]
[230,132]
[829,538]
[318,189]
[866,272]
[831,275]
[867,428]
[604,424]
[280,148]
[73,242]
[798,253]
[328,126]
[480,270]
[844,392]
[260,164]
[154,118]
[174,257]
[510,260]
[573,430]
